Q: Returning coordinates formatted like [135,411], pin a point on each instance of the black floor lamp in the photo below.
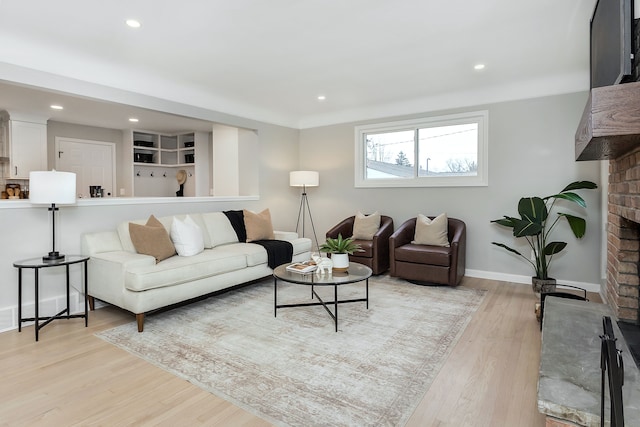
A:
[305,179]
[54,188]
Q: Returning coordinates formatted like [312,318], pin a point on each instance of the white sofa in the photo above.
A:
[118,275]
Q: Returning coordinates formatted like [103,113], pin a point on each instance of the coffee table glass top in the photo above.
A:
[355,273]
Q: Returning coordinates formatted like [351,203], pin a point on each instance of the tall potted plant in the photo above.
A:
[535,225]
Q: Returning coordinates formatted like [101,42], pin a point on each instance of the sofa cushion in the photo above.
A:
[258,225]
[254,254]
[187,236]
[366,226]
[176,270]
[152,239]
[219,229]
[421,254]
[432,232]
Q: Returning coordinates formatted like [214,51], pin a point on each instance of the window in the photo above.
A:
[430,152]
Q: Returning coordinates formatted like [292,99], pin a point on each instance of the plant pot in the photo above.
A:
[543,285]
[340,262]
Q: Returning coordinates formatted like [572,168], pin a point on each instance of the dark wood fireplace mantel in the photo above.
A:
[610,123]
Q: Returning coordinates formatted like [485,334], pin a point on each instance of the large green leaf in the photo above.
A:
[554,247]
[572,197]
[507,221]
[523,227]
[578,225]
[507,248]
[533,209]
[580,185]
[533,213]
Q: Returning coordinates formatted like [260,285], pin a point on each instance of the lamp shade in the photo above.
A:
[304,179]
[52,187]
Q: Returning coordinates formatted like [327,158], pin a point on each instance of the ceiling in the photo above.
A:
[270,60]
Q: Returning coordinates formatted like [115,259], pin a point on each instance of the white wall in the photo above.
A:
[531,152]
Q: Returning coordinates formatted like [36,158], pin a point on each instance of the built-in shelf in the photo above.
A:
[151,149]
[610,123]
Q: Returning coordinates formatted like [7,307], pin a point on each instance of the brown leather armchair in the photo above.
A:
[376,251]
[425,264]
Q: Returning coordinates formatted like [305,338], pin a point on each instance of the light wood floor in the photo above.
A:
[72,378]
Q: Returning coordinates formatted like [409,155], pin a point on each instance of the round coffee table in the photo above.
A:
[355,273]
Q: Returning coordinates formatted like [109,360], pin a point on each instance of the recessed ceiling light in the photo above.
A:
[321,97]
[133,23]
[57,107]
[133,119]
[478,67]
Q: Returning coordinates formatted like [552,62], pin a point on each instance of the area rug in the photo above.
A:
[294,369]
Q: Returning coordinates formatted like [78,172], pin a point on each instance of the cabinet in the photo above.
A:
[151,149]
[4,137]
[27,149]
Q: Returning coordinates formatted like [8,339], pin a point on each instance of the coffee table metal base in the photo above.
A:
[325,304]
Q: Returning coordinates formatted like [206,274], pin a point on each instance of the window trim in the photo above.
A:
[480,180]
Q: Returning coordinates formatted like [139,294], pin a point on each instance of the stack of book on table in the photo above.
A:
[302,267]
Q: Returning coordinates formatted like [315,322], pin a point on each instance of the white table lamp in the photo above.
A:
[54,188]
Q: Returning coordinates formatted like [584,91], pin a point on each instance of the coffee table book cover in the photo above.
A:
[302,267]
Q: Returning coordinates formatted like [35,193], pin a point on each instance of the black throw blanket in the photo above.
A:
[236,218]
[278,251]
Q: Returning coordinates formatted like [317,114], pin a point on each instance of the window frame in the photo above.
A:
[481,179]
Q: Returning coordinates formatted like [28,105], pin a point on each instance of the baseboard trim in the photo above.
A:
[526,280]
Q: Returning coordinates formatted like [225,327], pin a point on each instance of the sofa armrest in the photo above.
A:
[106,274]
[289,236]
[345,227]
[104,241]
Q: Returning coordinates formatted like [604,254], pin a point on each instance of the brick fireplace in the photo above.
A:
[623,236]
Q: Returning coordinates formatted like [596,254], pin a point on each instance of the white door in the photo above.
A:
[92,161]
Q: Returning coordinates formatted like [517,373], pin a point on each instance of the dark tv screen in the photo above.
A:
[611,42]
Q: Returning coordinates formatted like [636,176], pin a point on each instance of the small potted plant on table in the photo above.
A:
[340,249]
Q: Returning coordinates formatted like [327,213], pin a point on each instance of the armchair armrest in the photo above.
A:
[386,228]
[345,227]
[458,239]
[404,234]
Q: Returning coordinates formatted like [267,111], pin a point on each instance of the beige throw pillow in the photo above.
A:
[258,225]
[366,226]
[432,232]
[152,239]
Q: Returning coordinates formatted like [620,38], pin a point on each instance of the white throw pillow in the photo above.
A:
[366,226]
[187,237]
[432,232]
